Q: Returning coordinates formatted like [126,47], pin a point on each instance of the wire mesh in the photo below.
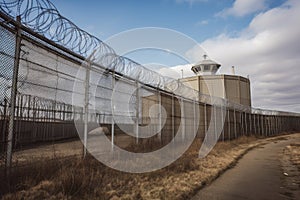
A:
[7,51]
[120,95]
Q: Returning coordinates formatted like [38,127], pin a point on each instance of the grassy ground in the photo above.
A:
[290,163]
[74,178]
[293,151]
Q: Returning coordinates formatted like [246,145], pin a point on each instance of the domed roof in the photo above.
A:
[207,62]
[206,67]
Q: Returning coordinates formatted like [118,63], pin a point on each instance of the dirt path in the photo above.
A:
[258,175]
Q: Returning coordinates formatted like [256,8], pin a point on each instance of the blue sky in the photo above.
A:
[196,18]
[259,37]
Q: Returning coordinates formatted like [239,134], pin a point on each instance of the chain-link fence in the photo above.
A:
[60,93]
[7,53]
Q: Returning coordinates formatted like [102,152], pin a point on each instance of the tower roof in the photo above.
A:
[206,67]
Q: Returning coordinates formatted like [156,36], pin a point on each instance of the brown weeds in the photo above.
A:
[74,178]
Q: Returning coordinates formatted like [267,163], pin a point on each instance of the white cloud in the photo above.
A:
[269,51]
[176,71]
[244,7]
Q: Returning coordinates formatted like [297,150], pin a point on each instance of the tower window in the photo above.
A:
[206,67]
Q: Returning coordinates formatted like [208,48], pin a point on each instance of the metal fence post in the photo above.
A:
[246,126]
[267,125]
[262,125]
[256,128]
[138,111]
[277,122]
[254,120]
[112,116]
[13,95]
[251,125]
[277,125]
[183,118]
[159,116]
[222,124]
[274,124]
[173,119]
[234,118]
[228,122]
[205,120]
[215,121]
[242,123]
[259,122]
[194,114]
[86,107]
[270,125]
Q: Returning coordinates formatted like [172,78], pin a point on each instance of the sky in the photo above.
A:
[259,37]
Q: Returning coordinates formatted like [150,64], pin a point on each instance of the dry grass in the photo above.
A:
[293,151]
[290,165]
[74,178]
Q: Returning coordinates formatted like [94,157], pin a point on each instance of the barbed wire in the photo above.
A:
[43,17]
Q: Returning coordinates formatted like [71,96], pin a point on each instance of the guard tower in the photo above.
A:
[206,67]
[234,88]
